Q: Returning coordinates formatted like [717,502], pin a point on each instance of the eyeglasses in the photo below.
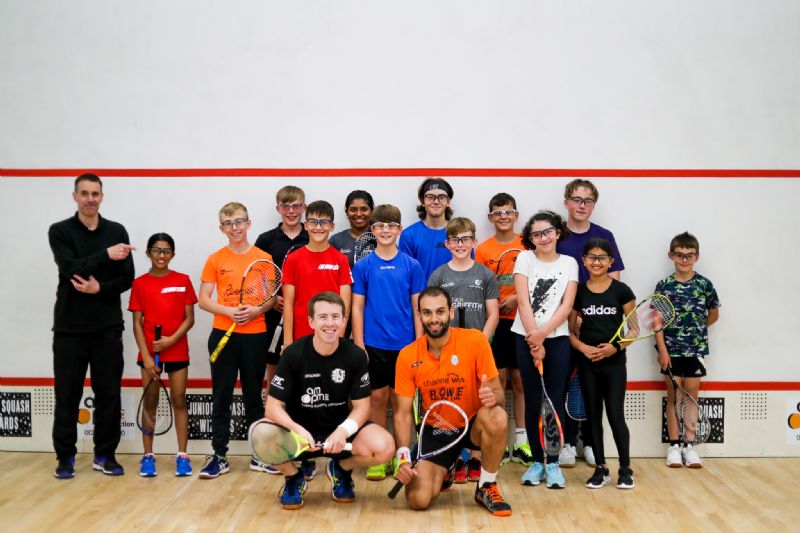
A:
[324,223]
[291,207]
[455,241]
[383,226]
[684,257]
[602,259]
[436,197]
[239,222]
[588,202]
[503,213]
[549,232]
[161,251]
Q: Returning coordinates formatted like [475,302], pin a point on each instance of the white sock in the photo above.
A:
[487,477]
[520,437]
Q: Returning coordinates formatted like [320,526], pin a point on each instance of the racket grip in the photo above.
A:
[395,490]
[158,337]
[222,342]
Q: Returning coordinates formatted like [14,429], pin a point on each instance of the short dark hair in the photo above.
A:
[502,198]
[359,195]
[684,240]
[603,244]
[154,238]
[423,188]
[327,296]
[88,176]
[550,216]
[320,207]
[434,292]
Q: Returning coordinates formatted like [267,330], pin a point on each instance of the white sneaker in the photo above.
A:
[691,458]
[674,456]
[588,455]
[566,459]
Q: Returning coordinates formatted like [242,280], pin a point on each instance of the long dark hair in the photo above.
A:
[549,216]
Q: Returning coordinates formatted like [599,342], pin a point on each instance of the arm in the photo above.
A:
[713,315]
[141,342]
[186,325]
[358,320]
[525,312]
[67,261]
[346,292]
[563,311]
[492,317]
[403,428]
[207,303]
[663,354]
[415,314]
[288,314]
[275,411]
[359,412]
[607,350]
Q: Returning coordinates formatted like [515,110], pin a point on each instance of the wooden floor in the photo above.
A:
[726,495]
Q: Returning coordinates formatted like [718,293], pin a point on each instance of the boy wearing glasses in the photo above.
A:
[474,292]
[245,353]
[424,240]
[683,345]
[386,288]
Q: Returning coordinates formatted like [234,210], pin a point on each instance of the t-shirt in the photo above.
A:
[426,245]
[312,273]
[345,243]
[387,287]
[455,375]
[488,254]
[225,269]
[687,336]
[574,245]
[469,291]
[602,315]
[163,300]
[316,388]
[547,283]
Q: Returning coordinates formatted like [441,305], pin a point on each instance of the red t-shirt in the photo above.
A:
[312,273]
[163,300]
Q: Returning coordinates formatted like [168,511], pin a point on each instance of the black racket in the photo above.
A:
[575,407]
[365,245]
[551,434]
[693,424]
[154,416]
[277,337]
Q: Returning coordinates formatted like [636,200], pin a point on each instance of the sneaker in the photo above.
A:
[260,466]
[522,454]
[108,465]
[690,457]
[66,468]
[376,472]
[567,456]
[625,479]
[183,466]
[460,474]
[392,466]
[147,466]
[473,469]
[342,486]
[215,466]
[489,496]
[506,457]
[674,456]
[449,477]
[555,479]
[309,468]
[534,474]
[599,479]
[291,494]
[588,455]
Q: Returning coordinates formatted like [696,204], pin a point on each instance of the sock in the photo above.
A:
[520,437]
[183,454]
[149,454]
[487,477]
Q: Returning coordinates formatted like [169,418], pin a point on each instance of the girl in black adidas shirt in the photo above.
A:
[602,303]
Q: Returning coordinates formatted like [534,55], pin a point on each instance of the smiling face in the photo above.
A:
[319,227]
[503,217]
[386,232]
[435,315]
[544,236]
[235,226]
[359,214]
[88,196]
[580,204]
[160,254]
[684,259]
[461,244]
[291,211]
[597,261]
[327,322]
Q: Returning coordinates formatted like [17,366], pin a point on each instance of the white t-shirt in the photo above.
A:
[547,283]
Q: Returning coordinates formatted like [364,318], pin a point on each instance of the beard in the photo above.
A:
[438,334]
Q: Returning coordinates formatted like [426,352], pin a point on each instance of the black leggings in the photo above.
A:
[606,384]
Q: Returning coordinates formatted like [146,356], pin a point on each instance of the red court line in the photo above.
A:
[398,172]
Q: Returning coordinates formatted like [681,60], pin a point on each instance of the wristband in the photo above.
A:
[350,426]
[403,455]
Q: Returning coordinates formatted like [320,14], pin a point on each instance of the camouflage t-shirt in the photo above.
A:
[687,336]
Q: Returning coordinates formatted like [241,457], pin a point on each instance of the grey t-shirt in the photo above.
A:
[469,291]
[345,243]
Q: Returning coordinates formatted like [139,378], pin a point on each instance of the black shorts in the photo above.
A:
[687,367]
[321,453]
[504,347]
[169,366]
[448,457]
[381,367]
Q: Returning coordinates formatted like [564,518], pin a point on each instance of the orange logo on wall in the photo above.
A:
[794,418]
[85,412]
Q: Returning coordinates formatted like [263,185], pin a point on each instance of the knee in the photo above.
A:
[494,420]
[417,500]
[179,403]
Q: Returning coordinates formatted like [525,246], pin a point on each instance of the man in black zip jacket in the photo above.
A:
[94,268]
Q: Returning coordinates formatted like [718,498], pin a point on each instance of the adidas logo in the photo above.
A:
[599,310]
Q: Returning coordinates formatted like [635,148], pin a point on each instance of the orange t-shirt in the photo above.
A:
[488,253]
[225,269]
[455,375]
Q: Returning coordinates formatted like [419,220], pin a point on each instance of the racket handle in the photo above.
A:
[158,337]
[540,368]
[395,490]
[222,342]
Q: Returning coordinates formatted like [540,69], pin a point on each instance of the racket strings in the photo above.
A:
[261,283]
[440,427]
[651,316]
[364,245]
[551,436]
[695,426]
[155,410]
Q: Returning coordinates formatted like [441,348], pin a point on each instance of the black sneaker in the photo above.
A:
[449,477]
[65,468]
[108,465]
[625,480]
[489,496]
[599,479]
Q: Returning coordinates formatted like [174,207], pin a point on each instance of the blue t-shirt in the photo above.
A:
[574,244]
[387,287]
[426,245]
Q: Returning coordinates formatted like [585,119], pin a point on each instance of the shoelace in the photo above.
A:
[494,493]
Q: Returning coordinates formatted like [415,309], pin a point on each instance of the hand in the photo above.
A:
[508,305]
[162,344]
[535,338]
[405,473]
[538,353]
[278,304]
[244,314]
[305,435]
[602,351]
[86,286]
[486,394]
[336,441]
[664,360]
[120,251]
[150,365]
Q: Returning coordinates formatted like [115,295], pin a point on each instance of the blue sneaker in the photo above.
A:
[183,466]
[260,466]
[555,479]
[534,474]
[66,468]
[214,467]
[309,468]
[342,487]
[148,465]
[108,465]
[291,495]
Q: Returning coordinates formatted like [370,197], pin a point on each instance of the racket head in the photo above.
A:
[504,269]
[442,427]
[694,424]
[551,434]
[274,444]
[154,414]
[261,281]
[574,404]
[650,316]
[365,244]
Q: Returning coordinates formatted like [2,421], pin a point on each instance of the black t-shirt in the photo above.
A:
[316,388]
[602,314]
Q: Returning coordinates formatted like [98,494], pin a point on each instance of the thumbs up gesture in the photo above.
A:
[486,393]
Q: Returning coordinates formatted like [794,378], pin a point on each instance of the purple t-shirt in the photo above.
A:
[574,244]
